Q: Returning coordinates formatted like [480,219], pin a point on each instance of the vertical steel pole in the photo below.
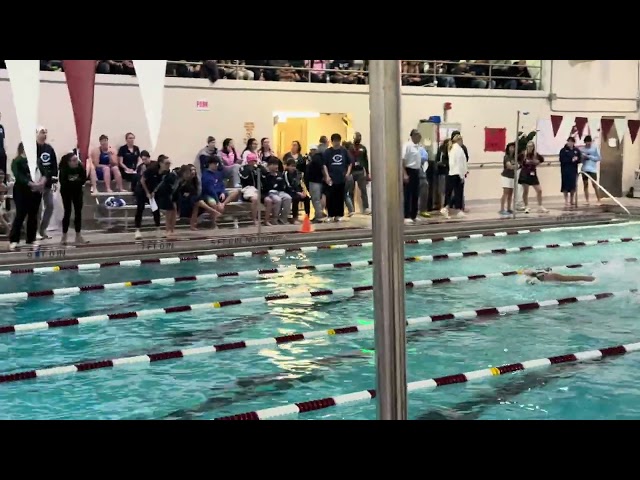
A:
[388,244]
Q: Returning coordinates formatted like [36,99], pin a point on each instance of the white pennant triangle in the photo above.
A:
[24,76]
[151,75]
[621,127]
[594,126]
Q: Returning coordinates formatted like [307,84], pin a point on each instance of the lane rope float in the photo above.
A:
[248,273]
[367,395]
[297,337]
[280,251]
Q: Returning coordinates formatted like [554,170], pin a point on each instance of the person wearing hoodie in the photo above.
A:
[250,177]
[213,191]
[456,177]
[590,159]
[295,191]
[27,196]
[569,158]
[203,155]
[360,171]
[47,167]
[277,202]
[152,176]
[230,162]
[73,176]
[314,178]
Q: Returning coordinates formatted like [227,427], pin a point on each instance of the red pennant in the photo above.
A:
[81,80]
[634,126]
[605,127]
[556,121]
[581,122]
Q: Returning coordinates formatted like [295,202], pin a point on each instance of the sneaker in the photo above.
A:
[521,208]
[13,246]
[63,239]
[510,212]
[503,212]
[80,239]
[138,235]
[408,221]
[445,212]
[351,214]
[339,219]
[34,245]
[543,210]
[526,210]
[425,214]
[367,211]
[460,214]
[42,237]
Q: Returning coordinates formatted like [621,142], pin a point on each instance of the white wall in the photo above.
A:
[601,87]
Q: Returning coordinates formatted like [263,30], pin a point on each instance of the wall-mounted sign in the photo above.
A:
[248,129]
[202,105]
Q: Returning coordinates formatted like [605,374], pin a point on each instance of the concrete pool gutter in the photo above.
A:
[122,247]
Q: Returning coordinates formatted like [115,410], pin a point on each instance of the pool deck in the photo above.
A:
[482,217]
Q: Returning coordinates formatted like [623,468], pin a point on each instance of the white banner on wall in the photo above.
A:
[547,144]
[151,75]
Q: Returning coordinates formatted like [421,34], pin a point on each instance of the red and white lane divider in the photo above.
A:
[254,274]
[280,251]
[297,337]
[366,395]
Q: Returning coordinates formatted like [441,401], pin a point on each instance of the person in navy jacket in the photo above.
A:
[569,159]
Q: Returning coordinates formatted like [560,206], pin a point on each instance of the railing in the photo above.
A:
[424,73]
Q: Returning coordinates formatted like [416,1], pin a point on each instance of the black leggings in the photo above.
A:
[335,200]
[295,206]
[411,193]
[72,197]
[454,192]
[27,206]
[141,201]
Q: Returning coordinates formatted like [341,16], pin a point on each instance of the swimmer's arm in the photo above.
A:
[557,277]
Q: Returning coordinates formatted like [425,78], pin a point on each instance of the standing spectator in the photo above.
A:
[411,162]
[337,167]
[203,155]
[349,184]
[166,199]
[508,175]
[423,189]
[128,159]
[47,167]
[105,162]
[442,172]
[314,178]
[466,154]
[569,158]
[457,174]
[230,162]
[73,176]
[4,207]
[323,144]
[277,201]
[27,196]
[3,152]
[295,191]
[251,148]
[295,153]
[250,177]
[590,159]
[360,170]
[529,161]
[151,177]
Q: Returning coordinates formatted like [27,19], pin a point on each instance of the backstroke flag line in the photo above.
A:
[81,81]
[24,77]
[150,74]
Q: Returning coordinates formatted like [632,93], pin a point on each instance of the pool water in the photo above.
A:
[212,385]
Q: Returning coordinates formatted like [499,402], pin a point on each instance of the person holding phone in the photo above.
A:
[145,191]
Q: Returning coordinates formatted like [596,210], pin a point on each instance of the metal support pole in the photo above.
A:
[259,196]
[388,244]
[515,171]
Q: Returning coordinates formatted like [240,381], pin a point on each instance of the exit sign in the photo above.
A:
[202,105]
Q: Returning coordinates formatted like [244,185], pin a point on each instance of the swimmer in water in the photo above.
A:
[547,275]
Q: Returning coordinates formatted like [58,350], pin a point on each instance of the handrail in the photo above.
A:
[605,191]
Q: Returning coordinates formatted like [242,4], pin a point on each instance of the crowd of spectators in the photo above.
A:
[504,74]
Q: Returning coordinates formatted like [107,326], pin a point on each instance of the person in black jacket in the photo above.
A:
[314,178]
[294,189]
[250,176]
[73,176]
[47,167]
[27,196]
[441,173]
[277,202]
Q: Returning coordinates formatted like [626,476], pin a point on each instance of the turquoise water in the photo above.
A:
[207,386]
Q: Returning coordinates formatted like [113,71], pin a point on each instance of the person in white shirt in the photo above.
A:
[411,162]
[455,179]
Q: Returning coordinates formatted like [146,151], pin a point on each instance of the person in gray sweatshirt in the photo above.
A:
[203,155]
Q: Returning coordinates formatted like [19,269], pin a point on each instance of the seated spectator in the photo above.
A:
[187,197]
[105,162]
[277,201]
[317,71]
[295,191]
[288,74]
[50,65]
[463,75]
[265,152]
[361,67]
[128,159]
[444,73]
[203,155]
[210,71]
[295,153]
[102,67]
[480,70]
[226,69]
[250,177]
[230,162]
[524,82]
[300,74]
[500,68]
[340,72]
[213,192]
[411,74]
[121,67]
[273,70]
[252,147]
[257,67]
[189,69]
[240,72]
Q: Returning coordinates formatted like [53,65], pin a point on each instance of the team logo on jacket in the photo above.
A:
[45,157]
[337,159]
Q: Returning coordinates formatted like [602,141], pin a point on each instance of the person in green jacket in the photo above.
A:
[27,196]
[73,176]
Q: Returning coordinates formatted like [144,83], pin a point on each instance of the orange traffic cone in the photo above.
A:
[306,225]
